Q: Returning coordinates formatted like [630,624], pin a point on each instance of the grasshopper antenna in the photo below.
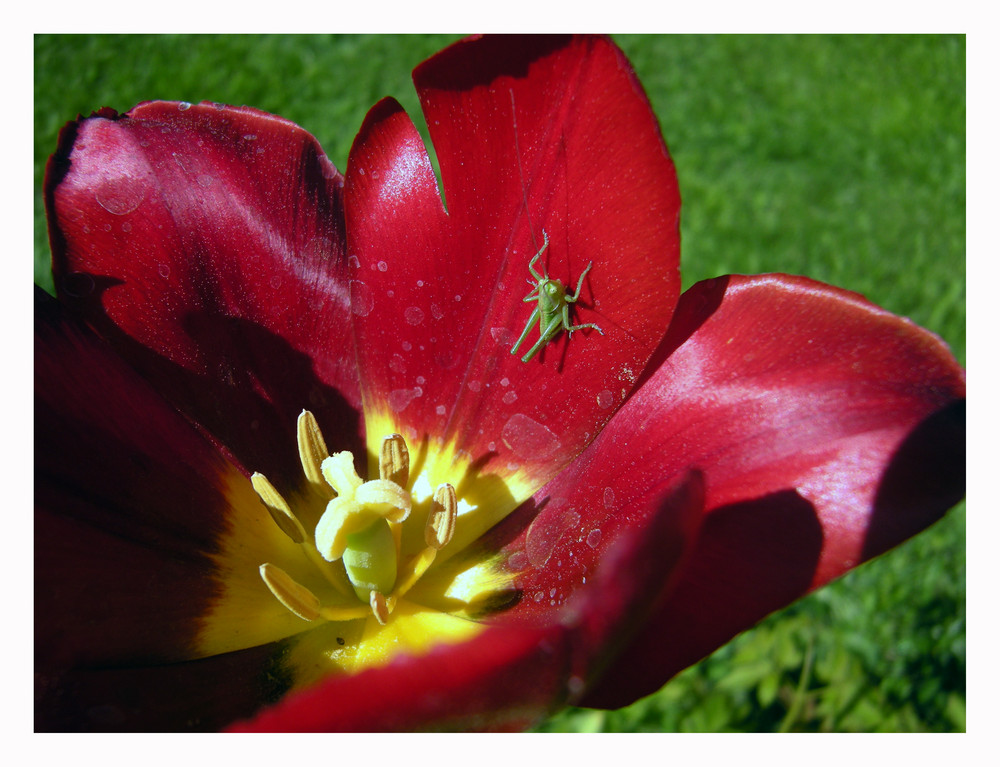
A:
[520,173]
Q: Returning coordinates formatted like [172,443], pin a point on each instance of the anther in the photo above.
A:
[278,507]
[312,450]
[441,521]
[379,608]
[296,597]
[394,460]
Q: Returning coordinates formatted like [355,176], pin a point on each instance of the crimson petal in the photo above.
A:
[205,243]
[828,429]
[533,135]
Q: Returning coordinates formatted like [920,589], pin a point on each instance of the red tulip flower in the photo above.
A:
[290,475]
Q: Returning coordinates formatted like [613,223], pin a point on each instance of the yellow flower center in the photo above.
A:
[357,541]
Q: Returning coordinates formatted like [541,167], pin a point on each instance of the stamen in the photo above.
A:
[312,450]
[410,574]
[296,597]
[394,460]
[441,521]
[280,511]
[379,608]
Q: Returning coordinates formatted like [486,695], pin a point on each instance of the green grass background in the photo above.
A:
[841,158]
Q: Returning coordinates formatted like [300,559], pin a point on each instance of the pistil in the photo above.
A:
[357,539]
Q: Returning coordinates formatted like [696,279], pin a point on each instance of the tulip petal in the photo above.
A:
[533,135]
[147,540]
[513,673]
[206,243]
[200,696]
[828,430]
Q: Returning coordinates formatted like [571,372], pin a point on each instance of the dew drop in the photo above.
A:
[397,364]
[383,266]
[528,438]
[440,410]
[458,298]
[362,300]
[517,561]
[163,270]
[184,106]
[407,346]
[354,261]
[609,498]
[436,312]
[414,315]
[204,180]
[502,336]
[475,386]
[120,195]
[505,381]
[594,538]
[421,380]
[605,399]
[399,399]
[510,398]
[544,533]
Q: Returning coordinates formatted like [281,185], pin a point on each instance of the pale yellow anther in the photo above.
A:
[312,449]
[296,597]
[441,521]
[394,460]
[280,511]
[379,608]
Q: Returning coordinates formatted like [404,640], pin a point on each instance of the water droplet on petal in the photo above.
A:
[414,315]
[510,398]
[397,364]
[362,300]
[605,399]
[399,399]
[120,195]
[503,336]
[594,538]
[544,533]
[609,498]
[528,438]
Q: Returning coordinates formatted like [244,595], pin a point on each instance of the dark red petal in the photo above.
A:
[511,675]
[828,430]
[128,505]
[533,135]
[201,695]
[206,243]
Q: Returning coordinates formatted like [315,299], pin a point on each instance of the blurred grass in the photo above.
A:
[842,158]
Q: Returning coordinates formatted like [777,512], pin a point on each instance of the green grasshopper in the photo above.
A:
[552,311]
